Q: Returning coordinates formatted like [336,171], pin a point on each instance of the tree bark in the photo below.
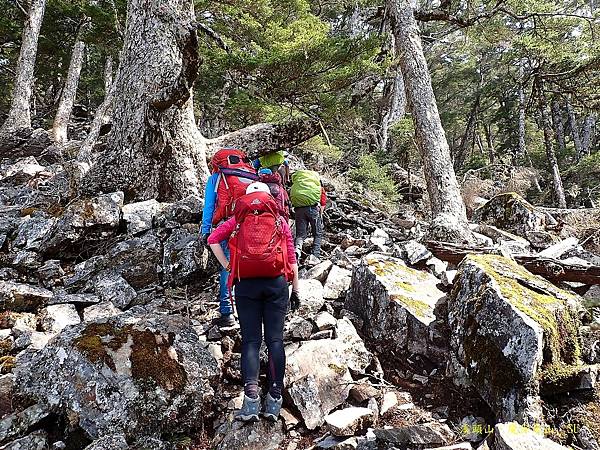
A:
[263,138]
[448,209]
[588,132]
[559,192]
[154,148]
[19,115]
[557,121]
[466,142]
[108,74]
[394,108]
[574,131]
[489,137]
[67,97]
[522,149]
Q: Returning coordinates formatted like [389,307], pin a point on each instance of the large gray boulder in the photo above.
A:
[394,302]
[137,374]
[511,212]
[318,372]
[513,436]
[262,435]
[508,327]
[23,297]
[184,257]
[84,223]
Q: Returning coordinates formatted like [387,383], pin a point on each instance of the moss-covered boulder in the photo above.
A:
[508,327]
[394,303]
[137,374]
[511,212]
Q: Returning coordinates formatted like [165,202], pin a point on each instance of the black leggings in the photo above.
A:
[262,301]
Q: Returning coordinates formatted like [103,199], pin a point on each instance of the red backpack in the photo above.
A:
[258,244]
[273,180]
[235,174]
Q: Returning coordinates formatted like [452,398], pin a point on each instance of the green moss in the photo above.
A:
[151,360]
[532,296]
[152,357]
[337,369]
[7,364]
[417,307]
[5,347]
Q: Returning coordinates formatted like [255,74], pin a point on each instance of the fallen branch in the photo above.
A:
[549,268]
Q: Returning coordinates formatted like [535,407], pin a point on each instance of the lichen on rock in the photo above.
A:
[507,326]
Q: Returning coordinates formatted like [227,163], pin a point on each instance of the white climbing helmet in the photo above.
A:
[257,186]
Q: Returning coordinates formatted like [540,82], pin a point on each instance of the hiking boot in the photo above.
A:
[225,321]
[249,410]
[272,408]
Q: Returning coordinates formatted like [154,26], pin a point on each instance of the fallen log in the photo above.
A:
[549,268]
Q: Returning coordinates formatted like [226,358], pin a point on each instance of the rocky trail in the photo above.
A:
[107,341]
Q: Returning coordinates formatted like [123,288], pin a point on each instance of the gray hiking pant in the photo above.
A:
[309,216]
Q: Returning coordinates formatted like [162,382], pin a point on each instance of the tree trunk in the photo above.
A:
[264,138]
[466,142]
[447,206]
[588,134]
[548,141]
[67,97]
[19,115]
[394,108]
[154,149]
[108,74]
[557,121]
[522,149]
[489,137]
[574,131]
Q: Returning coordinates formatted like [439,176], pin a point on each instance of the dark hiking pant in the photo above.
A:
[308,216]
[262,302]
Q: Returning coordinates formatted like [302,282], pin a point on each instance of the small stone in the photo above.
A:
[338,282]
[427,435]
[311,297]
[414,252]
[297,328]
[56,317]
[319,271]
[513,436]
[113,288]
[23,297]
[390,400]
[348,421]
[38,440]
[7,389]
[325,334]
[17,424]
[325,321]
[114,442]
[289,419]
[79,299]
[139,216]
[363,391]
[100,311]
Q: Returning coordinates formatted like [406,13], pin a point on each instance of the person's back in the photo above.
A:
[277,189]
[262,262]
[308,199]
[232,173]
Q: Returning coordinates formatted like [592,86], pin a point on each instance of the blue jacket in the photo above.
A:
[210,202]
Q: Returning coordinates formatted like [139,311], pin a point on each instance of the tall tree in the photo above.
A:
[154,149]
[559,191]
[19,115]
[448,209]
[67,96]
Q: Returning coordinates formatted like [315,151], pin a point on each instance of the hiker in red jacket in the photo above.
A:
[261,264]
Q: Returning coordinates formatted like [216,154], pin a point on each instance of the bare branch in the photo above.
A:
[213,35]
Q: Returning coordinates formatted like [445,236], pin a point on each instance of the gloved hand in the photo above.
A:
[204,239]
[294,301]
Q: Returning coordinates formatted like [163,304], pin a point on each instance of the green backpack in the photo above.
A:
[306,188]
